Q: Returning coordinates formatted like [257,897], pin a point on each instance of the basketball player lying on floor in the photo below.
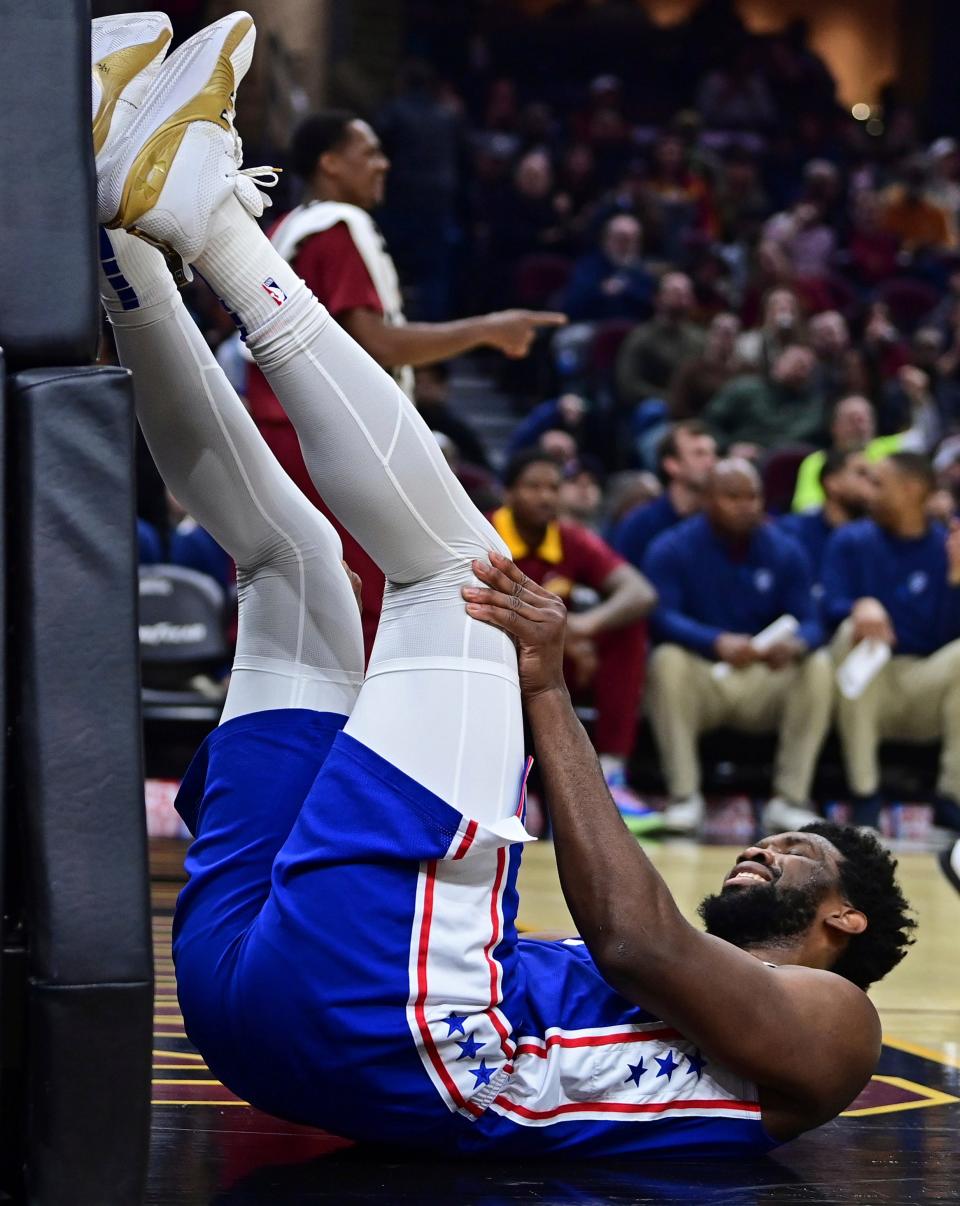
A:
[345,947]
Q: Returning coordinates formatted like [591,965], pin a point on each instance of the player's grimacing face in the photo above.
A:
[774,890]
[788,858]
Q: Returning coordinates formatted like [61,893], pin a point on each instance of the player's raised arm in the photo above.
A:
[802,1033]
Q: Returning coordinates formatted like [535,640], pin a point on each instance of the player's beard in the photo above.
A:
[761,915]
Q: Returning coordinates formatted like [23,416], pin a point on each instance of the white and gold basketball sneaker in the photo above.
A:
[126,53]
[180,157]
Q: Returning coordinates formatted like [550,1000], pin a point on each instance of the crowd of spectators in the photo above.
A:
[763,348]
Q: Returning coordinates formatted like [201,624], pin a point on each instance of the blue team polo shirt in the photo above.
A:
[811,531]
[909,577]
[637,530]
[707,587]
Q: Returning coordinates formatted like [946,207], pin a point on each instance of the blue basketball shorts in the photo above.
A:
[347,957]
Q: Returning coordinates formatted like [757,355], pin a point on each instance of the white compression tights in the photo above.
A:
[441,699]
[299,642]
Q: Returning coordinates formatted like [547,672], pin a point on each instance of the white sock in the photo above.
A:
[241,265]
[135,286]
[612,765]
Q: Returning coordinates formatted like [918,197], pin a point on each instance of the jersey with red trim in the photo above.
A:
[586,1059]
[417,1017]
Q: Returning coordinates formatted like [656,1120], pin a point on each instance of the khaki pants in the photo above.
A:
[911,699]
[685,700]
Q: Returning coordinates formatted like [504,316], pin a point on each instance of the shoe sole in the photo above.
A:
[117,70]
[646,825]
[209,101]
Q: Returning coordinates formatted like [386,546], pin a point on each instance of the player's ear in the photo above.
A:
[327,163]
[845,919]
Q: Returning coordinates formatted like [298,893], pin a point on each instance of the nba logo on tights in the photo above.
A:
[270,286]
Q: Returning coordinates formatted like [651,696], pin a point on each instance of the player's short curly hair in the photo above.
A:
[868,881]
[317,134]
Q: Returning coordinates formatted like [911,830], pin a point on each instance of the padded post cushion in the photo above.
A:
[78,784]
[9,1049]
[48,307]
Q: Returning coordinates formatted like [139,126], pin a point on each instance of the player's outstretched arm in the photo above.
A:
[509,331]
[808,1037]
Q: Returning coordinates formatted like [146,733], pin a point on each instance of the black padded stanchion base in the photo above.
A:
[48,312]
[77,786]
[79,1119]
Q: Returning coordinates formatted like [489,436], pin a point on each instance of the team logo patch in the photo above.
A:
[270,286]
[763,580]
[917,582]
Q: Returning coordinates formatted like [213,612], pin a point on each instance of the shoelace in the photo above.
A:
[251,195]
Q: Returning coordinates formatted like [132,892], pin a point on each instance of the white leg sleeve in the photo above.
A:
[441,700]
[299,642]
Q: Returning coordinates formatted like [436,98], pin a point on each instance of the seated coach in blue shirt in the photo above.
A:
[896,578]
[722,577]
[846,479]
[685,459]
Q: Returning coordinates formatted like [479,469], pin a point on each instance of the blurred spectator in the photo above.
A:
[910,403]
[944,187]
[422,135]
[431,393]
[908,213]
[566,413]
[149,545]
[895,579]
[336,248]
[482,486]
[722,577]
[529,217]
[741,201]
[194,548]
[581,493]
[698,380]
[840,367]
[853,428]
[735,96]
[872,252]
[801,84]
[627,490]
[686,457]
[823,188]
[603,126]
[651,353]
[678,199]
[605,643]
[946,465]
[578,184]
[846,480]
[767,268]
[884,351]
[781,326]
[756,412]
[946,317]
[559,446]
[805,238]
[613,281]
